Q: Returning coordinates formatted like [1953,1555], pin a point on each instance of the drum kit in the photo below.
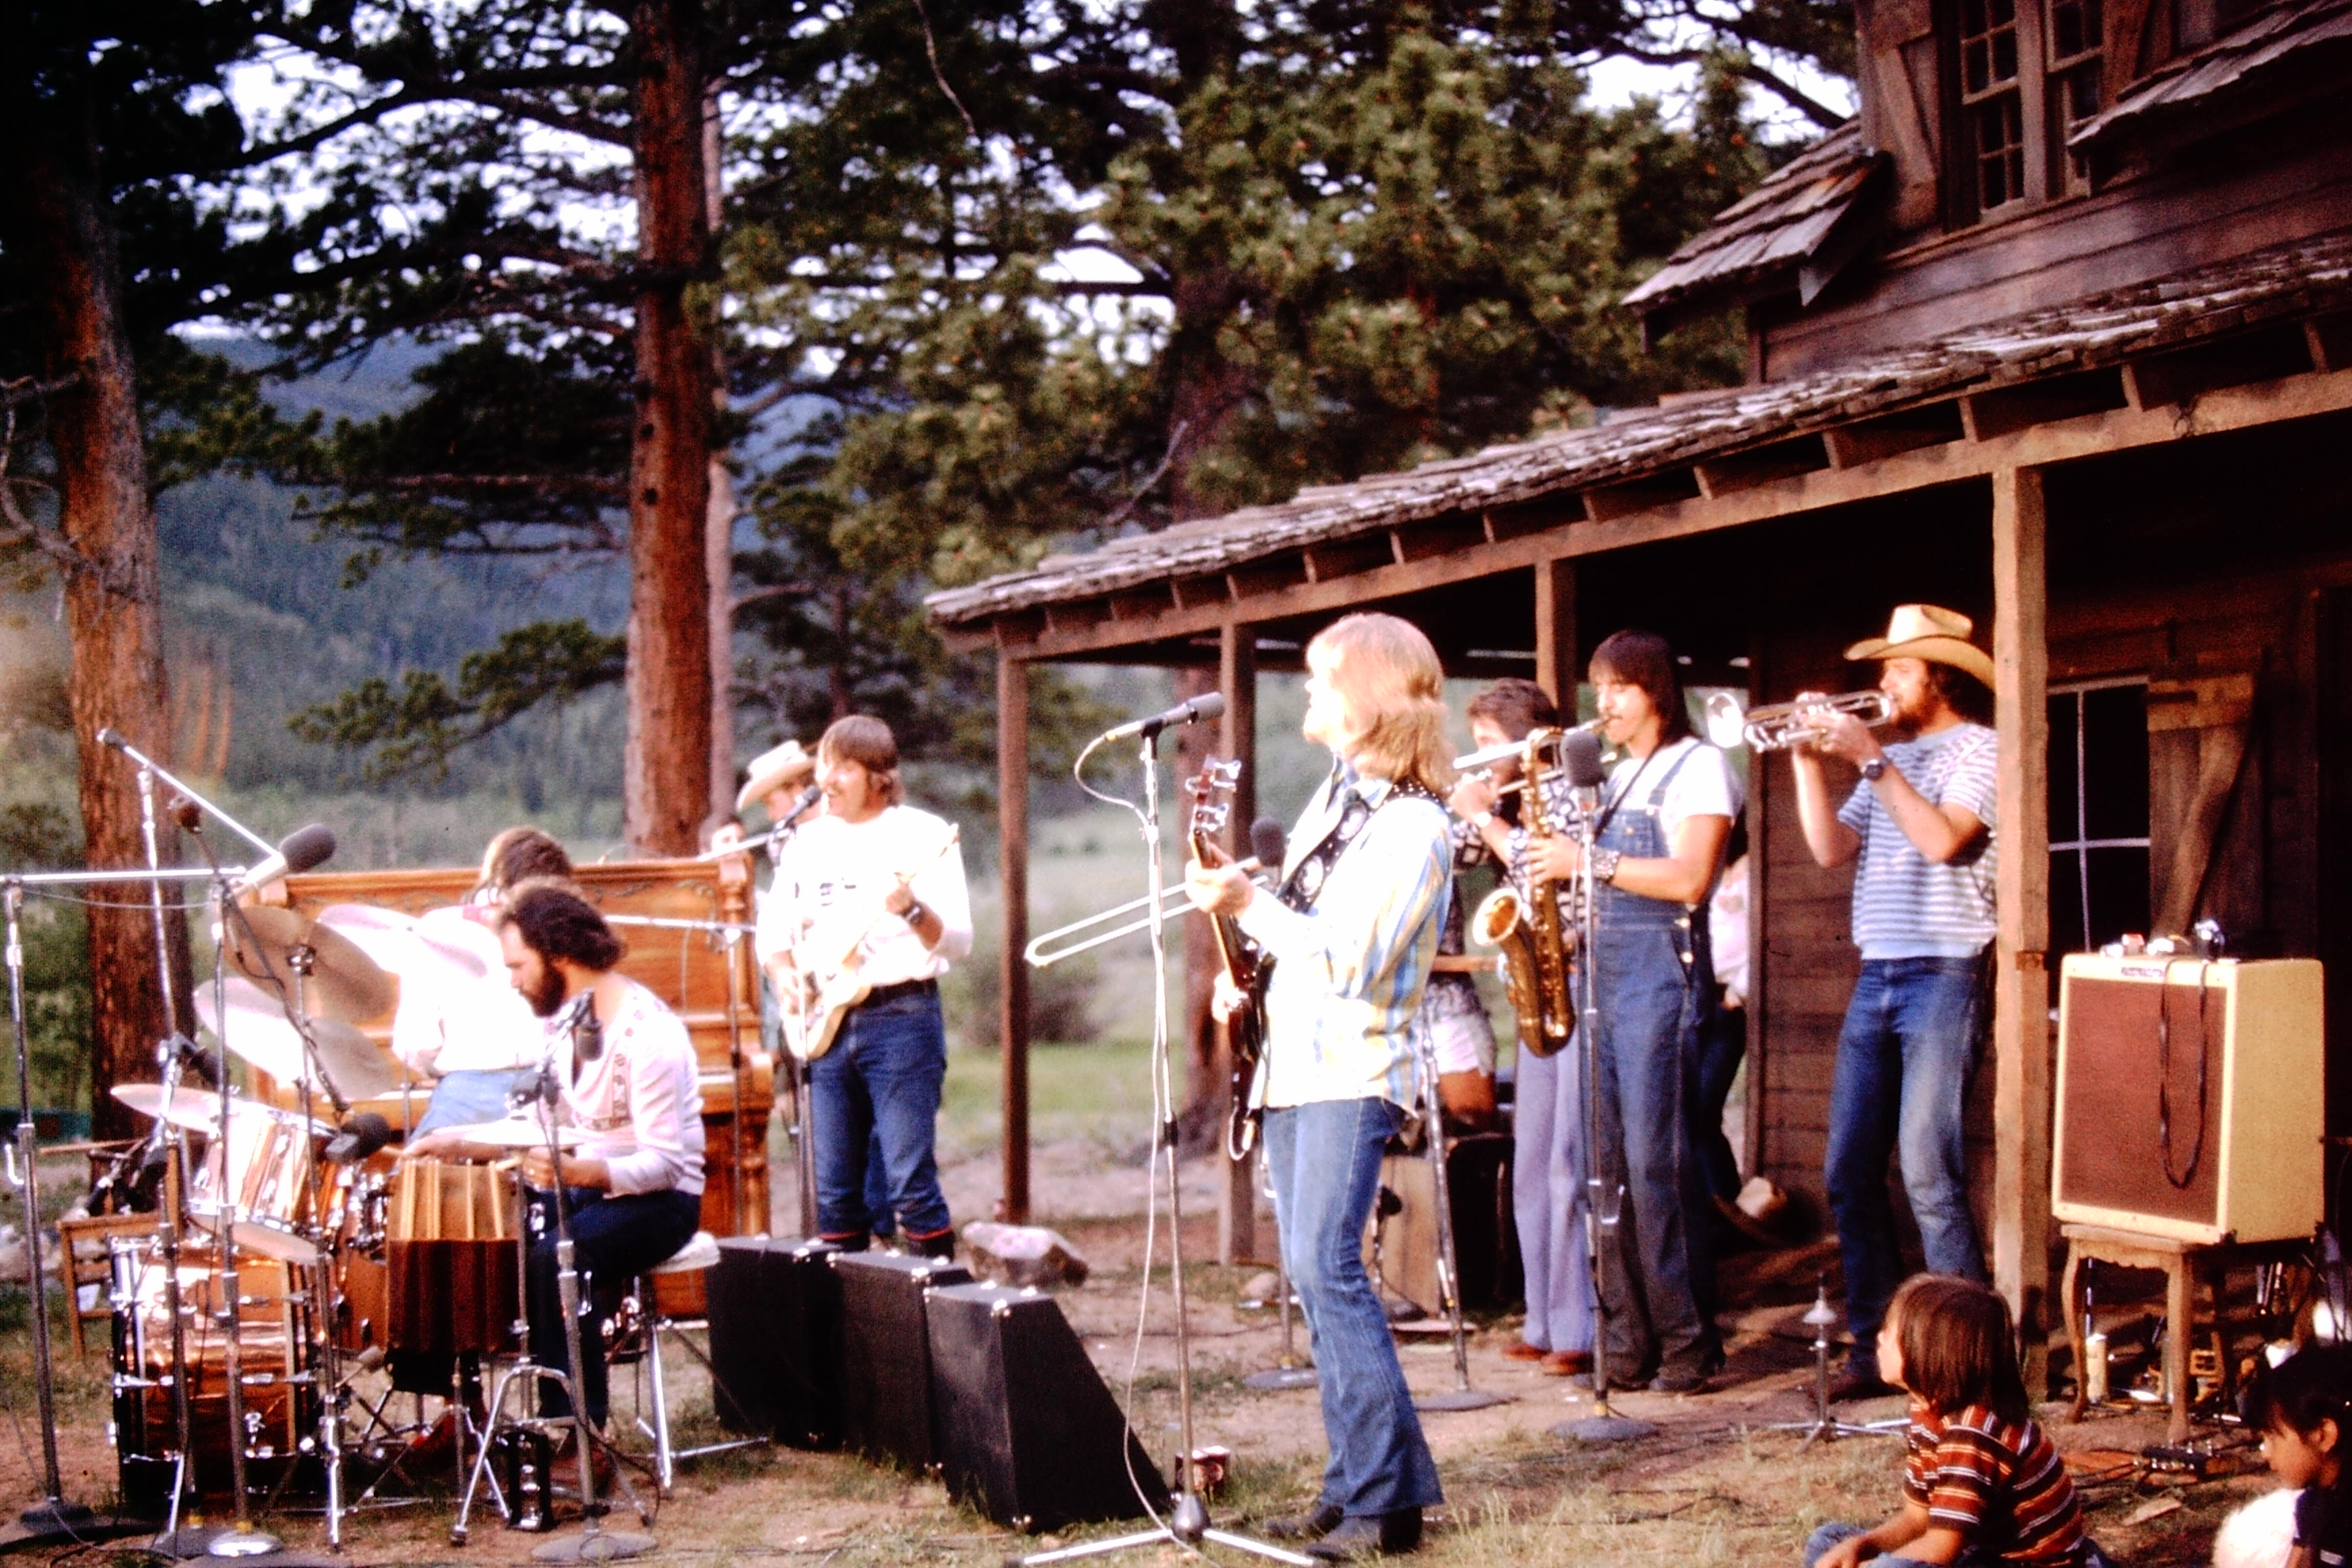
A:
[291,1257]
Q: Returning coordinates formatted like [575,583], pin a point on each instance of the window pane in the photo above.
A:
[2115,738]
[2000,155]
[2065,713]
[2005,56]
[2067,931]
[1977,66]
[2118,894]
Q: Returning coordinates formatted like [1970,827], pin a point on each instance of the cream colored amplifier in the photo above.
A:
[2190,1097]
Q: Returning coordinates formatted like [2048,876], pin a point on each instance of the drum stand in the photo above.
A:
[593,1543]
[1288,1370]
[1825,1427]
[1461,1397]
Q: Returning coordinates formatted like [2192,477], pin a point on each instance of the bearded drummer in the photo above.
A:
[626,1081]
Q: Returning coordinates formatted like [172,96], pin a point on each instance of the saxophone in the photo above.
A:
[1527,930]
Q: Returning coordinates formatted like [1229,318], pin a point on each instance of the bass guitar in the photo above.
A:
[826,994]
[1213,807]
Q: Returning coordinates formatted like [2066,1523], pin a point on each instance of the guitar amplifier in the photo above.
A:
[2190,1099]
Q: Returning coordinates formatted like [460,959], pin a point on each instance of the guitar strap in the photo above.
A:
[1313,867]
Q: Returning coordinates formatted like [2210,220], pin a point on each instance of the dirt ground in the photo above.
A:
[1714,1485]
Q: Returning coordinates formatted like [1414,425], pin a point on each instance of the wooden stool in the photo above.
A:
[2183,1265]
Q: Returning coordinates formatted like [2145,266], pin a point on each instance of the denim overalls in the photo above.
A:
[1655,980]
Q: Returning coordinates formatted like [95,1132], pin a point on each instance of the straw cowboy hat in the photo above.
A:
[779,769]
[1929,632]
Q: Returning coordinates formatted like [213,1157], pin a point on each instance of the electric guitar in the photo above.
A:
[1212,806]
[825,994]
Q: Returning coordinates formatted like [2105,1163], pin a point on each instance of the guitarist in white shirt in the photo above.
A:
[873,887]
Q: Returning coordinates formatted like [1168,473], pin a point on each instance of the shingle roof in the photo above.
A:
[2309,278]
[1772,232]
[2302,44]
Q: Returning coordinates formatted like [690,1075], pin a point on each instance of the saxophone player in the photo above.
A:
[1547,1119]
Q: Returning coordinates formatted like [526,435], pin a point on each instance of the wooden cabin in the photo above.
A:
[2058,332]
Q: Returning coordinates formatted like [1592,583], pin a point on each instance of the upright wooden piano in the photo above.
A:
[708,978]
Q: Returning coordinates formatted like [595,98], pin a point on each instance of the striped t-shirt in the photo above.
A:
[1999,1483]
[1905,905]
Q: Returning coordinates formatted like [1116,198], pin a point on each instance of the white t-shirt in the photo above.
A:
[640,1100]
[1727,930]
[830,883]
[1703,785]
[451,1022]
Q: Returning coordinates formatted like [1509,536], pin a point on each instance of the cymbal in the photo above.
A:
[256,1032]
[199,1110]
[438,945]
[344,982]
[518,1132]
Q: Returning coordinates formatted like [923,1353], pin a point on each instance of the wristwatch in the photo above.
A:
[1873,770]
[1479,819]
[914,915]
[1605,865]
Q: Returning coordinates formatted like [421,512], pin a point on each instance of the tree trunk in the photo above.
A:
[666,789]
[58,225]
[718,542]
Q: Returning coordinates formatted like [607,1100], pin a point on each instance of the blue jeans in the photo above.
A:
[1548,1198]
[877,1091]
[461,1099]
[614,1240]
[1901,1085]
[1817,1545]
[1324,1162]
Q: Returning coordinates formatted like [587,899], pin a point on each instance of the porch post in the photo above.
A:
[1237,738]
[1012,881]
[2022,1070]
[1556,670]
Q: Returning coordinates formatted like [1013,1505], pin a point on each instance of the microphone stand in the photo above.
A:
[172,1144]
[1603,1426]
[1461,1397]
[1187,1524]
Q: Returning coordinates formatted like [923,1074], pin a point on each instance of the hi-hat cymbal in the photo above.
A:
[344,982]
[255,1031]
[517,1132]
[199,1110]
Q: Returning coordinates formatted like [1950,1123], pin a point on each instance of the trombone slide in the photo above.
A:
[1108,925]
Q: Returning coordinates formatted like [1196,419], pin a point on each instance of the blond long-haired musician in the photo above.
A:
[1352,935]
[875,865]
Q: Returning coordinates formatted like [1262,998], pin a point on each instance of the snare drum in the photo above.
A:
[268,1163]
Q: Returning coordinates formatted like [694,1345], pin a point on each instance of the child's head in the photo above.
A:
[2300,1408]
[1950,1342]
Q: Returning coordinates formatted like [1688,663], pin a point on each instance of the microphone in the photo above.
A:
[1208,706]
[1269,843]
[206,1063]
[107,735]
[297,851]
[1579,758]
[809,797]
[361,1136]
[185,812]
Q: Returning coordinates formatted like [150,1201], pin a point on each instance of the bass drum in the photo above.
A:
[280,1400]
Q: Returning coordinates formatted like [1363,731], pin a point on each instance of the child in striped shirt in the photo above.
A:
[1981,1484]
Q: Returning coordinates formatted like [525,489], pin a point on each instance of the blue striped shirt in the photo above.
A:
[1348,972]
[1905,905]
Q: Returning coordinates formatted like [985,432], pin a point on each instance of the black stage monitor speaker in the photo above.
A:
[886,1356]
[775,1340]
[1027,1432]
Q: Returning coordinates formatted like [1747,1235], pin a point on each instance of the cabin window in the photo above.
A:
[1988,93]
[2098,813]
[2074,40]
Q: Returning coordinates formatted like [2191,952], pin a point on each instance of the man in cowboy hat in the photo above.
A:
[1920,825]
[775,779]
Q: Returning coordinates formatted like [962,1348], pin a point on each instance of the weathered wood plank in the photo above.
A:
[1556,650]
[2021,1067]
[1012,870]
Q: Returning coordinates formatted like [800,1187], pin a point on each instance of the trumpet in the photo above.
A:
[1483,761]
[1777,726]
[1108,925]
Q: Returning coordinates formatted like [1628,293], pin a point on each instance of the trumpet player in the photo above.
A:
[1547,1119]
[1920,827]
[1665,812]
